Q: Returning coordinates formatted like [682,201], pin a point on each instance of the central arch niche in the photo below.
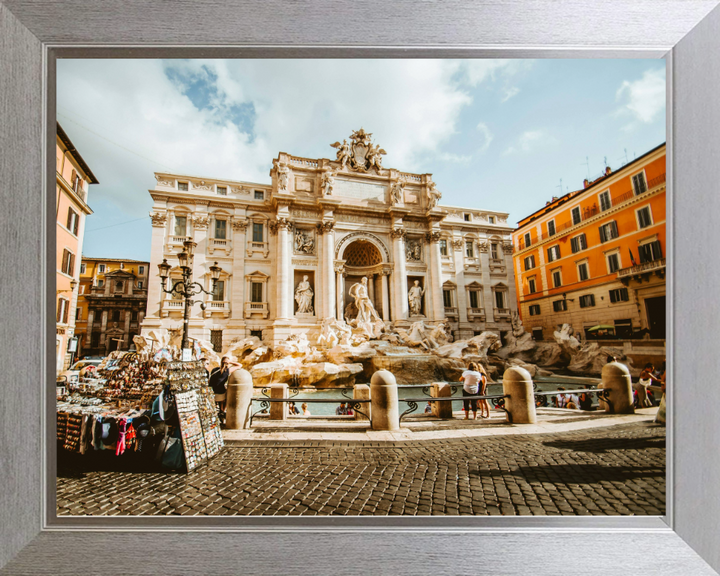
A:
[362,254]
[362,258]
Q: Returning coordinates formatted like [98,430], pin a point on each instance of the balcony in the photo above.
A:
[475,314]
[219,244]
[256,308]
[642,271]
[172,306]
[258,247]
[217,307]
[451,311]
[502,312]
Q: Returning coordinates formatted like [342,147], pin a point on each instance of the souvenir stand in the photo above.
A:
[128,405]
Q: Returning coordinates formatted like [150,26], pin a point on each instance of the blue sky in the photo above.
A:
[495,134]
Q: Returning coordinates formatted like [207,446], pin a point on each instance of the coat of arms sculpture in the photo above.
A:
[361,154]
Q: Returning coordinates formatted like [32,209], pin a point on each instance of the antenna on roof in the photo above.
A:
[587,163]
[605,160]
[626,157]
[560,186]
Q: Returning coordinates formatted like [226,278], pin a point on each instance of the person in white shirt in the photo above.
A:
[471,380]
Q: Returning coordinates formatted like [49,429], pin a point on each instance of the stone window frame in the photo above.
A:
[505,291]
[261,278]
[532,288]
[183,213]
[479,290]
[554,271]
[251,246]
[650,215]
[645,182]
[608,254]
[583,262]
[450,286]
[227,218]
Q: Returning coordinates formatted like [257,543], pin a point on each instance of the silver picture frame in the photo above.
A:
[34,33]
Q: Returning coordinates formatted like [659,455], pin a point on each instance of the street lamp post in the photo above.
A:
[185,288]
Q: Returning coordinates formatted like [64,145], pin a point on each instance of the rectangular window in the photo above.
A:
[72,221]
[78,314]
[530,262]
[527,240]
[537,333]
[101,283]
[101,268]
[557,279]
[535,310]
[62,310]
[605,203]
[644,217]
[491,219]
[259,195]
[447,298]
[133,316]
[175,294]
[587,300]
[183,186]
[140,285]
[222,191]
[578,243]
[466,217]
[551,228]
[83,267]
[553,253]
[583,272]
[257,232]
[619,295]
[531,285]
[220,229]
[639,184]
[256,292]
[68,262]
[116,316]
[474,299]
[443,247]
[219,292]
[493,251]
[613,261]
[95,340]
[180,225]
[608,231]
[576,215]
[216,340]
[649,252]
[256,334]
[141,270]
[469,252]
[500,299]
[560,305]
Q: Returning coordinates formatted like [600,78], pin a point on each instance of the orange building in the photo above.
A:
[111,304]
[595,258]
[72,179]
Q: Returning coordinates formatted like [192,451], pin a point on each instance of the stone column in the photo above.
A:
[512,293]
[441,409]
[284,281]
[103,327]
[400,303]
[488,296]
[520,405]
[237,295]
[126,329]
[239,400]
[459,257]
[384,401]
[436,292]
[616,379]
[278,410]
[157,252]
[340,281]
[371,288]
[362,392]
[384,279]
[328,270]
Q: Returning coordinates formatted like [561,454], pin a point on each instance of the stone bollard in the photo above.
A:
[616,378]
[441,409]
[278,410]
[384,401]
[362,392]
[239,400]
[520,406]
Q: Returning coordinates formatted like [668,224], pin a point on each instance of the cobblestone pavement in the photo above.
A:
[618,470]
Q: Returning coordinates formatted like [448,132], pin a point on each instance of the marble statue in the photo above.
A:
[397,193]
[334,332]
[374,155]
[413,251]
[303,296]
[343,153]
[367,318]
[434,195]
[415,295]
[304,242]
[328,181]
[283,174]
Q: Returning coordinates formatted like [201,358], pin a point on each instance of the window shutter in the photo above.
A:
[603,237]
[71,266]
[66,255]
[65,311]
[614,229]
[59,310]
[657,250]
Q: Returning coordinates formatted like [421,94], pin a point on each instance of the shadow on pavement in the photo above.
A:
[601,445]
[576,473]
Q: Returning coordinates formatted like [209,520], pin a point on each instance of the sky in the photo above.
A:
[500,135]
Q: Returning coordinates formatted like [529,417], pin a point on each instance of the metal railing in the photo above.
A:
[352,403]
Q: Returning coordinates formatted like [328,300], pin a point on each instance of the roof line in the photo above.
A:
[65,139]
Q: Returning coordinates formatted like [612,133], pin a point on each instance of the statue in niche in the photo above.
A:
[415,295]
[328,181]
[413,251]
[397,193]
[367,318]
[283,175]
[304,242]
[343,153]
[434,195]
[303,296]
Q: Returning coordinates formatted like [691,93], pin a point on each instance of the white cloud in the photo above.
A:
[455,158]
[644,98]
[486,135]
[509,93]
[528,141]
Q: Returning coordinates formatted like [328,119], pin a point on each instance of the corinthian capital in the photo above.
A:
[158,219]
[398,233]
[432,237]
[239,225]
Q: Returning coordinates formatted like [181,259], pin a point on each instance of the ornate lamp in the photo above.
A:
[183,259]
[164,272]
[215,275]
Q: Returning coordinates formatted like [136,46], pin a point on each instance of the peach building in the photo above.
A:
[72,179]
[595,258]
[111,304]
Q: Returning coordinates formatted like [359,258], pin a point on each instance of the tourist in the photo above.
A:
[292,409]
[428,408]
[562,400]
[218,382]
[482,388]
[341,410]
[585,401]
[305,411]
[471,379]
[641,386]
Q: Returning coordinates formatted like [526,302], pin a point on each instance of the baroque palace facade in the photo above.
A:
[291,250]
[595,258]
